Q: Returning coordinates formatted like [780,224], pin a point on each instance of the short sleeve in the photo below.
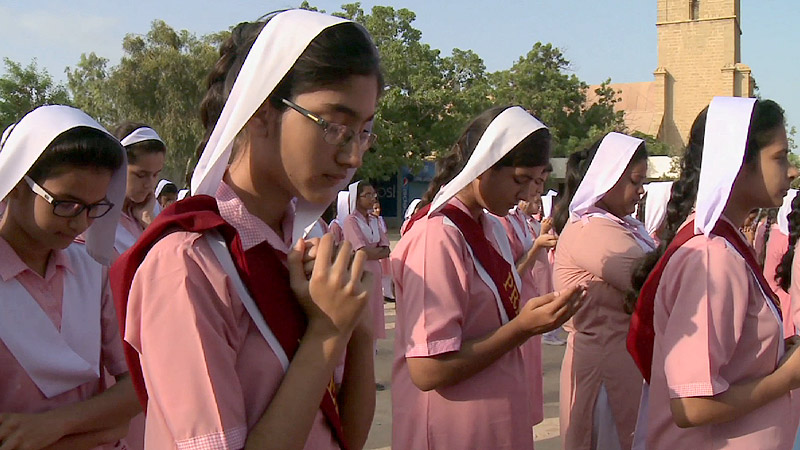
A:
[181,321]
[709,285]
[614,260]
[434,284]
[352,233]
[112,355]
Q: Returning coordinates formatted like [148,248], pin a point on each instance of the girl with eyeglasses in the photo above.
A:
[221,276]
[61,174]
[363,231]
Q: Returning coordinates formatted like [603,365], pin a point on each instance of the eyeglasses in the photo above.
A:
[369,195]
[335,133]
[67,208]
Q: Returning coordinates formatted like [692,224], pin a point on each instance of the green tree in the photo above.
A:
[25,88]
[158,81]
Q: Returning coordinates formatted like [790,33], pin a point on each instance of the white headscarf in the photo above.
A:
[28,140]
[655,210]
[352,191]
[342,206]
[411,208]
[161,185]
[182,194]
[507,130]
[609,162]
[547,203]
[786,208]
[727,127]
[275,51]
[141,134]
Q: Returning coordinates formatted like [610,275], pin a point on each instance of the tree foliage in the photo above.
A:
[158,81]
[25,88]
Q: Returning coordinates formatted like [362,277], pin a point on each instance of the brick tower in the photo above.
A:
[698,57]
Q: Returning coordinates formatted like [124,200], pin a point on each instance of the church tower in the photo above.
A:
[698,57]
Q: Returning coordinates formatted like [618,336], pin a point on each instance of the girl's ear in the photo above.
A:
[19,190]
[267,118]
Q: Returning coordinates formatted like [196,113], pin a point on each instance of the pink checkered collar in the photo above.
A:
[251,229]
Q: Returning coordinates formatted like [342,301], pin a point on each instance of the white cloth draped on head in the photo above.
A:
[547,203]
[786,208]
[161,185]
[607,166]
[182,194]
[411,208]
[28,140]
[352,192]
[342,206]
[277,48]
[507,130]
[724,142]
[655,209]
[141,134]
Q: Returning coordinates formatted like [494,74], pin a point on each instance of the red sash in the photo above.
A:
[499,270]
[641,335]
[272,293]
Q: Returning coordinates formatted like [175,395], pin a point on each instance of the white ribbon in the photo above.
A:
[727,127]
[507,130]
[283,39]
[28,140]
[607,166]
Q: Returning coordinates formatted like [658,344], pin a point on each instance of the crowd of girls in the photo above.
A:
[236,317]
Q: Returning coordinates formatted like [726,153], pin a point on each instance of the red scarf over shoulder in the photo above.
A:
[499,270]
[261,270]
[641,335]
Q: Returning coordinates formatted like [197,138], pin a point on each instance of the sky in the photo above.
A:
[603,39]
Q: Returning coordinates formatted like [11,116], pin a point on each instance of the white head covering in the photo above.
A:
[507,130]
[182,194]
[727,127]
[655,210]
[547,203]
[28,140]
[411,207]
[352,192]
[161,184]
[141,134]
[275,51]
[609,162]
[786,208]
[342,206]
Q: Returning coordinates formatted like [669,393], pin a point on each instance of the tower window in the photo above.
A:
[695,9]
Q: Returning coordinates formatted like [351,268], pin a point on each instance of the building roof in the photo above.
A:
[640,103]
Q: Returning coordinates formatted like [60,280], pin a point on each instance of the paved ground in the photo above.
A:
[380,436]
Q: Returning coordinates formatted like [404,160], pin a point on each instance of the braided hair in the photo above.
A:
[771,218]
[783,274]
[532,151]
[767,116]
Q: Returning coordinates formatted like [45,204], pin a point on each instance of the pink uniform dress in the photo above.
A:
[777,244]
[714,328]
[128,231]
[386,268]
[335,228]
[758,241]
[210,375]
[364,232]
[600,251]
[521,239]
[19,392]
[442,301]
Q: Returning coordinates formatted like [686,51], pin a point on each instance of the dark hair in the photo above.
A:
[79,147]
[783,273]
[548,169]
[363,184]
[532,151]
[577,165]
[767,116]
[338,52]
[771,217]
[122,130]
[168,188]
